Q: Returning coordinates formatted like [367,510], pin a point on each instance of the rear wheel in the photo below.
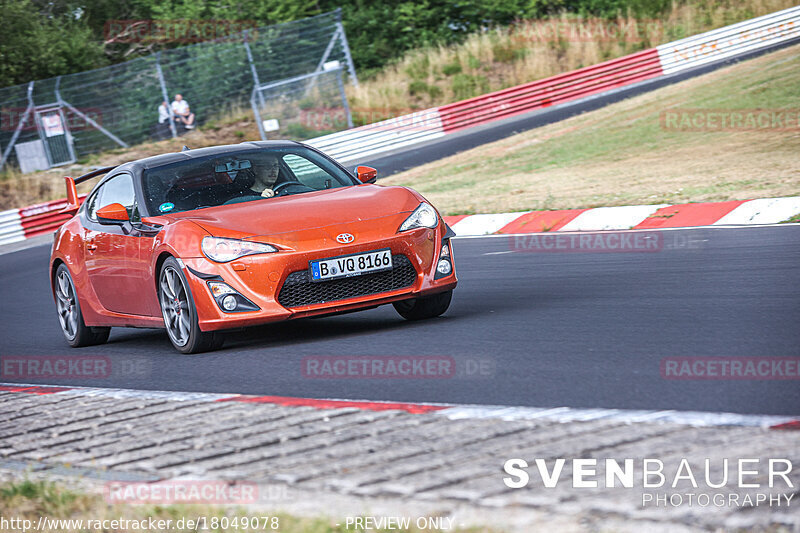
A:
[426,307]
[180,313]
[70,316]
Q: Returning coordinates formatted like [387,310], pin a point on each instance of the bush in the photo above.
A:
[465,86]
[418,68]
[451,68]
[417,87]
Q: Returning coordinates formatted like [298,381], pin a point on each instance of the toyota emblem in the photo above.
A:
[345,238]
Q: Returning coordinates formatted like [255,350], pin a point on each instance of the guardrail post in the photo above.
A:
[351,69]
[19,127]
[344,98]
[257,114]
[70,139]
[165,95]
[254,72]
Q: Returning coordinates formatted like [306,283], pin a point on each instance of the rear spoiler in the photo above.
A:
[73,204]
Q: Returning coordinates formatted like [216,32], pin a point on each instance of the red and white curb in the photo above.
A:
[26,222]
[21,224]
[451,411]
[763,211]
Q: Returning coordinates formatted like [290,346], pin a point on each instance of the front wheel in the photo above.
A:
[180,313]
[73,327]
[426,307]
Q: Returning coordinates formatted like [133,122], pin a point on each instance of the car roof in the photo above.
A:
[173,157]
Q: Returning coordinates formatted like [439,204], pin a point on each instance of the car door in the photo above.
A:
[113,252]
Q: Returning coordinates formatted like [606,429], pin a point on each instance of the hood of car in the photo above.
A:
[301,212]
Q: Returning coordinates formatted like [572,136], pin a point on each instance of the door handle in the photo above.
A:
[91,246]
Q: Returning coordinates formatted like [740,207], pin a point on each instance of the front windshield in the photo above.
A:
[239,177]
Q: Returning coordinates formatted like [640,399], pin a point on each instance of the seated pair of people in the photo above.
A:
[181,113]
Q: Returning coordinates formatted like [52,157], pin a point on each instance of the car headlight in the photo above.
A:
[224,250]
[423,216]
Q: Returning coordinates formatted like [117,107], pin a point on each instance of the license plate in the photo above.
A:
[350,265]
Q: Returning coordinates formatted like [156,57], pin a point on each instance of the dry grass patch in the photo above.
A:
[621,155]
[504,57]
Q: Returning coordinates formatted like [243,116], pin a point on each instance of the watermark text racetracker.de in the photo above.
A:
[193,491]
[148,524]
[36,367]
[372,118]
[182,31]
[614,241]
[625,241]
[742,482]
[730,368]
[396,367]
[730,120]
[587,30]
[11,119]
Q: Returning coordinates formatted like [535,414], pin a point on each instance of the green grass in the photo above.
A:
[621,154]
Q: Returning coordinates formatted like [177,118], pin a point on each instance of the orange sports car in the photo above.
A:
[202,241]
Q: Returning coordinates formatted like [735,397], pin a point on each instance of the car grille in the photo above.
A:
[298,289]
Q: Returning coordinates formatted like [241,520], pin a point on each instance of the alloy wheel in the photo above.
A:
[67,305]
[175,306]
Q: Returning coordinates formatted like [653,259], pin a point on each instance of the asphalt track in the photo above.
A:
[582,330]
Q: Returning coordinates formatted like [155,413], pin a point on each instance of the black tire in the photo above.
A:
[70,316]
[422,308]
[180,313]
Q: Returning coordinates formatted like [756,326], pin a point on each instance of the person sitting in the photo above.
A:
[163,129]
[184,115]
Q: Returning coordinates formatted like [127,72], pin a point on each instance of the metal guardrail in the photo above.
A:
[430,124]
[558,89]
[723,43]
[20,224]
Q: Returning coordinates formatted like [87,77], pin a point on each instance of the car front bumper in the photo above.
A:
[262,278]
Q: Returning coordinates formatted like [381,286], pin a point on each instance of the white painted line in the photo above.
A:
[566,414]
[611,218]
[145,394]
[485,224]
[763,211]
[457,412]
[128,393]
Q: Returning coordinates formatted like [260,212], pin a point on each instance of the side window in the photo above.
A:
[119,190]
[91,204]
[308,173]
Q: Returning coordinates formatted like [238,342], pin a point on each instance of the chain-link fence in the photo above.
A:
[119,105]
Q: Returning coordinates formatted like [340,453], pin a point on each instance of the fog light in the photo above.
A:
[445,251]
[218,288]
[444,267]
[229,302]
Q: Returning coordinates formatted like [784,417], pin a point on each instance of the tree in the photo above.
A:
[35,45]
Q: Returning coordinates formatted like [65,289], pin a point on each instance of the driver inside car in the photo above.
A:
[258,180]
[266,175]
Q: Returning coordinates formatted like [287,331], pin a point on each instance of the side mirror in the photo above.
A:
[113,214]
[366,174]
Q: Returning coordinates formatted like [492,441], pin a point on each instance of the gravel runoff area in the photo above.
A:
[347,461]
